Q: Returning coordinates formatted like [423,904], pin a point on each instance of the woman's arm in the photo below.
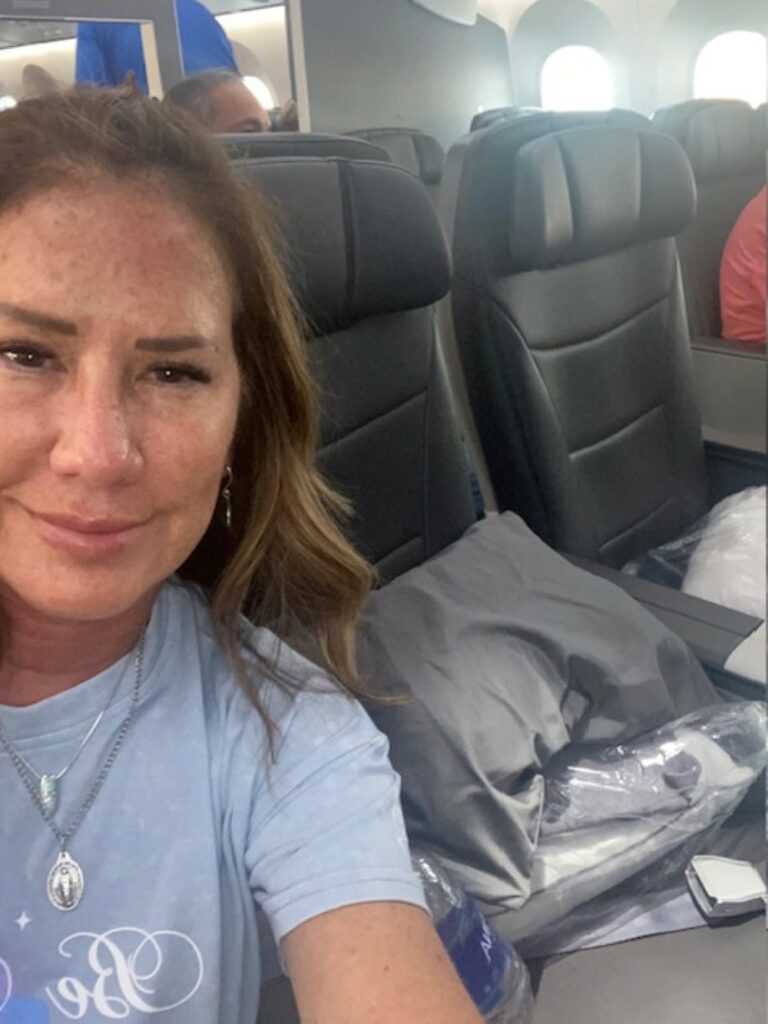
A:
[378,963]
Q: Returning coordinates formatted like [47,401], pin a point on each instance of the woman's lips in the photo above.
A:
[93,538]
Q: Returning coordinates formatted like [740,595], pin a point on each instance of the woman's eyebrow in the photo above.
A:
[42,321]
[175,343]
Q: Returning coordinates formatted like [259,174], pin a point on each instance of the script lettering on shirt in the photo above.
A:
[6,984]
[120,970]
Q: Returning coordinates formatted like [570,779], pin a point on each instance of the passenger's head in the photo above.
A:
[36,82]
[221,101]
[148,340]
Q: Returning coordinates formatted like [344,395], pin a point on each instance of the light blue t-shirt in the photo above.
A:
[192,830]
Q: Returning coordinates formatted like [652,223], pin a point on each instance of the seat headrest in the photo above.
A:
[362,238]
[488,117]
[421,154]
[246,146]
[721,137]
[585,192]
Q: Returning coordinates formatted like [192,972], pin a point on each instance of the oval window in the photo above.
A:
[576,78]
[261,91]
[732,66]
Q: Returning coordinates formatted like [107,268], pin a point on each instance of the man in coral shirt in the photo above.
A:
[743,274]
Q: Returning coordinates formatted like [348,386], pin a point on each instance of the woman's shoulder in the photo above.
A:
[293,692]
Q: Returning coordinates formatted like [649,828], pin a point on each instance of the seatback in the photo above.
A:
[726,147]
[253,145]
[366,254]
[446,199]
[571,326]
[421,154]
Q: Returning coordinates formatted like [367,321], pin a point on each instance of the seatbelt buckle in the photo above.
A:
[723,887]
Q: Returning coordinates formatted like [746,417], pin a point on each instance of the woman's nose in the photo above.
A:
[95,436]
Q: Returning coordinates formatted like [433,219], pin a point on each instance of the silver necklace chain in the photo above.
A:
[65,881]
[55,777]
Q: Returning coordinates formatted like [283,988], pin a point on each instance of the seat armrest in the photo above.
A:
[712,632]
[730,470]
[729,347]
[730,386]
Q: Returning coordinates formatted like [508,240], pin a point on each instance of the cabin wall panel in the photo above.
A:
[377,64]
[689,26]
[549,24]
[652,44]
[260,42]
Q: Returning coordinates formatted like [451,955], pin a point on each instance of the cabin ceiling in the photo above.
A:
[24,33]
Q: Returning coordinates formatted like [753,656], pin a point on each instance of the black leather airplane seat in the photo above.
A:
[368,260]
[248,145]
[446,198]
[570,322]
[421,154]
[725,143]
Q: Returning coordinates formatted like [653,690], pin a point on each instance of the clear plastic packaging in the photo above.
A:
[699,763]
[627,818]
[491,970]
[720,559]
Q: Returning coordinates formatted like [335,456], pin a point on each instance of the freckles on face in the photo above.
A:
[119,393]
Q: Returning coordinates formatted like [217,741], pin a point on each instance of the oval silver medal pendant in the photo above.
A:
[65,883]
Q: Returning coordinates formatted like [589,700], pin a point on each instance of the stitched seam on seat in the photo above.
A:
[577,452]
[399,547]
[639,522]
[596,338]
[425,441]
[569,181]
[374,419]
[493,302]
[532,463]
[345,188]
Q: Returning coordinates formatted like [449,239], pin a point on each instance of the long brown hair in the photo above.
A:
[286,563]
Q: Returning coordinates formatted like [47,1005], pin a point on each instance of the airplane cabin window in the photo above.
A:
[576,78]
[261,91]
[732,66]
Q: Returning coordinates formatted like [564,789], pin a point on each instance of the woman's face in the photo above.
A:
[119,396]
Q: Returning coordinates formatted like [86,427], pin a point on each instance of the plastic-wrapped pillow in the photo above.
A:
[720,559]
[728,564]
[613,812]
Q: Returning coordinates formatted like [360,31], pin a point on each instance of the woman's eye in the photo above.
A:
[179,375]
[26,357]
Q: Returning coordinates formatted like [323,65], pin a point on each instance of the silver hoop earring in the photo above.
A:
[226,495]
